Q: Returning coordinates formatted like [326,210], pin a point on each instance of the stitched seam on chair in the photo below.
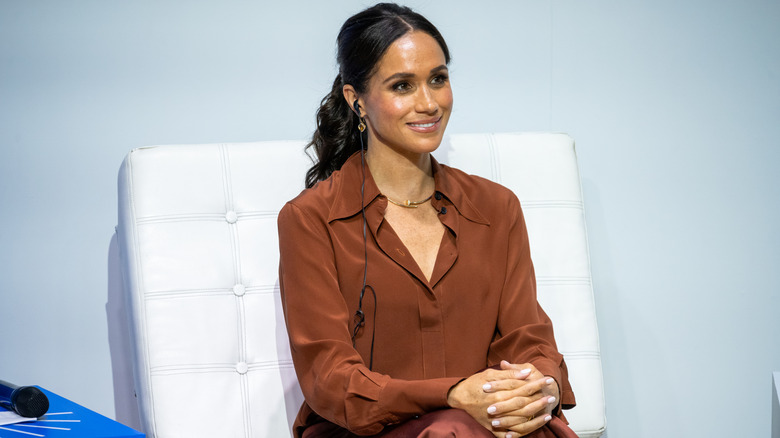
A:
[198,293]
[563,281]
[244,385]
[215,217]
[168,370]
[552,204]
[239,300]
[271,365]
[226,183]
[580,355]
[259,214]
[495,169]
[219,367]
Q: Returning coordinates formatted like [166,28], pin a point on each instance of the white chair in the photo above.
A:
[199,253]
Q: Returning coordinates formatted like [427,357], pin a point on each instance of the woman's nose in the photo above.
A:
[426,101]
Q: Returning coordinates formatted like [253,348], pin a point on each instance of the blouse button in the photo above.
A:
[437,196]
[444,210]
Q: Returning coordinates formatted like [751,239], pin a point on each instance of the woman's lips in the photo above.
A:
[425,125]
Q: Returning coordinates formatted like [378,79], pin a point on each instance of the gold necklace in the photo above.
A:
[408,203]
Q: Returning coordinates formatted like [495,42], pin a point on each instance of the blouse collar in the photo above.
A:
[350,177]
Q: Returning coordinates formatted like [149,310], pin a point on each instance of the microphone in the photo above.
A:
[442,210]
[27,401]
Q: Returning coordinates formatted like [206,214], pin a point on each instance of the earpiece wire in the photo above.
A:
[359,314]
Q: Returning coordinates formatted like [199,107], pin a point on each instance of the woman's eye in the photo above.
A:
[402,86]
[439,80]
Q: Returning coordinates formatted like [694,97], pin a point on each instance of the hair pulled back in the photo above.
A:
[362,41]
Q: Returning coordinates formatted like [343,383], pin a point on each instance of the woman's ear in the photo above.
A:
[350,95]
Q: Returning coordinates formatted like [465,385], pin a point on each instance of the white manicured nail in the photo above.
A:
[492,410]
[547,418]
[496,423]
[551,400]
[486,386]
[549,381]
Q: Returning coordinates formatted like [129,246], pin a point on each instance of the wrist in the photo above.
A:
[451,397]
[455,395]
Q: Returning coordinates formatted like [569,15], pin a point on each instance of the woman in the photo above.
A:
[408,288]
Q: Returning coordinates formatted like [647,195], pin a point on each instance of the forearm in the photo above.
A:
[365,402]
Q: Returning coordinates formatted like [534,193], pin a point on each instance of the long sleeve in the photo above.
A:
[335,381]
[524,331]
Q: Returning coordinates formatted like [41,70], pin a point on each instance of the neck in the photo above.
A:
[401,176]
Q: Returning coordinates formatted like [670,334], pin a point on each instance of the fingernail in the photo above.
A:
[547,418]
[549,381]
[486,387]
[496,423]
[522,373]
[492,410]
[551,400]
[509,435]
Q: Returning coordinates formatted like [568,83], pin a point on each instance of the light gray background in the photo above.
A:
[675,107]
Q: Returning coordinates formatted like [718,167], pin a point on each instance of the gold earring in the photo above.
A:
[361,126]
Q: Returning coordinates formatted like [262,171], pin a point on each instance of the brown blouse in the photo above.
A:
[478,308]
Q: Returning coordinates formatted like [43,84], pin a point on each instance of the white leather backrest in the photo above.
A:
[199,255]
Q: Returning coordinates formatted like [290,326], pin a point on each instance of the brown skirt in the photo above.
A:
[446,423]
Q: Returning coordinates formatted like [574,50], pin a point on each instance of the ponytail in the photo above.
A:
[336,137]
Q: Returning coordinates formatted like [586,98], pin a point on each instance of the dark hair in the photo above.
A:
[362,41]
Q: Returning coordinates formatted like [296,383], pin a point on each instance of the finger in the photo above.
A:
[516,388]
[535,373]
[510,384]
[503,385]
[530,411]
[513,404]
[533,387]
[528,427]
[507,422]
[522,406]
[506,365]
[493,375]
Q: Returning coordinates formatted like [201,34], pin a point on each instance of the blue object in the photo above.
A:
[66,419]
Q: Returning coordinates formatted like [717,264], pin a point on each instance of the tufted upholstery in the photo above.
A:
[199,254]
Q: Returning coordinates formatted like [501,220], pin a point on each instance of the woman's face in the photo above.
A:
[408,100]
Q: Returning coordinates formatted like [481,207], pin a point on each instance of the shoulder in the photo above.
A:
[313,204]
[317,198]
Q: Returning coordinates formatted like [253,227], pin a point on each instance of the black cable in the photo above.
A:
[360,317]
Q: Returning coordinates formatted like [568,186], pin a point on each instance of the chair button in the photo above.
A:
[231,217]
[242,368]
[239,290]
